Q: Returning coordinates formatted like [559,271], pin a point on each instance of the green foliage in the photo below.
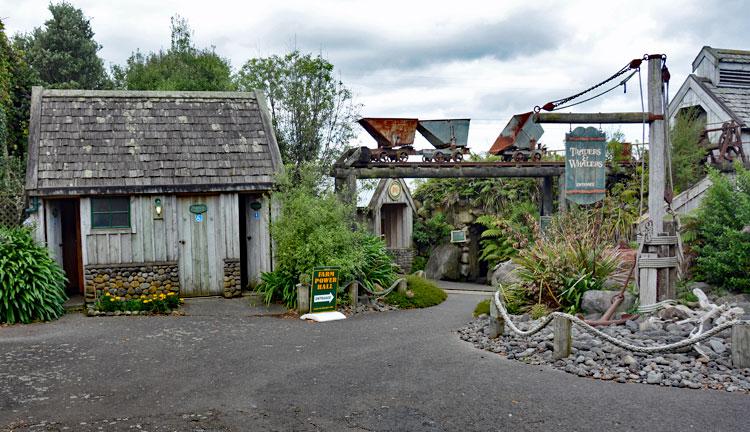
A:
[482,308]
[573,247]
[63,54]
[503,238]
[181,67]
[573,288]
[154,303]
[723,249]
[538,311]
[419,263]
[426,294]
[12,193]
[430,232]
[312,111]
[497,196]
[16,79]
[32,285]
[687,154]
[516,298]
[316,229]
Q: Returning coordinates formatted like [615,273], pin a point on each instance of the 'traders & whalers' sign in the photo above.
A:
[325,285]
[585,156]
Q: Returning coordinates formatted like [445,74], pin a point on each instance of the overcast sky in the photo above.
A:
[434,59]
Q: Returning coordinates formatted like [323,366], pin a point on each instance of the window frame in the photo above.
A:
[110,213]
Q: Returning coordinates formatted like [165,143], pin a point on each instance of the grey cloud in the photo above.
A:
[357,51]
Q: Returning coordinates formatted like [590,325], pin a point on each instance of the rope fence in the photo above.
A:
[499,307]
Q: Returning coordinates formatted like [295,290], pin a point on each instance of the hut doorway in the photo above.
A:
[200,232]
[64,233]
[393,225]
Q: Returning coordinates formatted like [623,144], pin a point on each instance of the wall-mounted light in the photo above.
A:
[158,209]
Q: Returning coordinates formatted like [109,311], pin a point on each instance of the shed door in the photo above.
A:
[200,263]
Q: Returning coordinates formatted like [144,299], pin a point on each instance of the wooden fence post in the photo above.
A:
[741,345]
[354,293]
[563,339]
[303,298]
[497,324]
[402,286]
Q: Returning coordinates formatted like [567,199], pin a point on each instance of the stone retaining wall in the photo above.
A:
[232,278]
[403,258]
[132,279]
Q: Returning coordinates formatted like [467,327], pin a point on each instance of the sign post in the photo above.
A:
[585,156]
[325,285]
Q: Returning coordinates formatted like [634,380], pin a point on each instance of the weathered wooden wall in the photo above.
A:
[258,237]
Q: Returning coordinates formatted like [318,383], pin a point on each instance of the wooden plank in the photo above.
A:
[113,248]
[215,244]
[91,249]
[185,248]
[137,239]
[102,248]
[126,252]
[438,171]
[647,282]
[171,213]
[656,154]
[54,231]
[147,222]
[85,211]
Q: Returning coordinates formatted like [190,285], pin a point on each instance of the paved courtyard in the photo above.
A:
[236,371]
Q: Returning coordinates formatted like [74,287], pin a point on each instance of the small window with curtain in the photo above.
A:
[110,212]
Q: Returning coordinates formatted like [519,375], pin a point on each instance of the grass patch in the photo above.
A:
[426,294]
[483,307]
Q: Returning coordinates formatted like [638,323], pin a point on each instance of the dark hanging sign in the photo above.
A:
[325,285]
[198,208]
[585,171]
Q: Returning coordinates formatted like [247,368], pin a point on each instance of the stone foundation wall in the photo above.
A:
[232,278]
[403,258]
[132,279]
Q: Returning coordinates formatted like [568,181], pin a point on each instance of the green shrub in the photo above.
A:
[315,229]
[32,284]
[723,250]
[419,263]
[482,308]
[539,311]
[572,248]
[426,294]
[430,232]
[503,238]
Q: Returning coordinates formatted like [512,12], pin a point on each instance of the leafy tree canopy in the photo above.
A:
[16,79]
[181,67]
[312,111]
[63,53]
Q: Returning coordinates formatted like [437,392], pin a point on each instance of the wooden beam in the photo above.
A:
[448,172]
[586,118]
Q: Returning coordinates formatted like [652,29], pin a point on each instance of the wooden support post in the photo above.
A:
[656,154]
[497,324]
[588,118]
[354,294]
[402,285]
[563,338]
[647,282]
[547,196]
[562,203]
[741,345]
[303,298]
[346,188]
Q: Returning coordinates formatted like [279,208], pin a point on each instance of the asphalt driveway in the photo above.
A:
[404,370]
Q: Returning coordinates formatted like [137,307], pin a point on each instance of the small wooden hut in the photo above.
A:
[141,191]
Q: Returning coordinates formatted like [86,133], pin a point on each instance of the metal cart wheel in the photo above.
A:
[519,156]
[537,157]
[384,157]
[458,157]
[439,157]
[403,156]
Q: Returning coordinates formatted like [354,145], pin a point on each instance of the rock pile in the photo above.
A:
[594,358]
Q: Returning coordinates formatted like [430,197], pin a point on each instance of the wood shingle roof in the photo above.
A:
[85,142]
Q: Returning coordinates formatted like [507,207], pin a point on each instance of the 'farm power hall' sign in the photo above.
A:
[585,171]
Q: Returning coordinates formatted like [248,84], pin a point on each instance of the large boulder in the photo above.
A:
[503,274]
[598,301]
[444,263]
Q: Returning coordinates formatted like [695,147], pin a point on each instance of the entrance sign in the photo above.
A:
[585,156]
[325,285]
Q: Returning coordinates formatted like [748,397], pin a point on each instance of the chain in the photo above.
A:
[588,328]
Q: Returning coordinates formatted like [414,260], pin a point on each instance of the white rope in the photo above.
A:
[598,333]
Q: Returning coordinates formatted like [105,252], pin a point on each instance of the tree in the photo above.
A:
[181,67]
[687,154]
[312,111]
[63,53]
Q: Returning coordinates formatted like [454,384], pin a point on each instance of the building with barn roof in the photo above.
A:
[139,192]
[718,90]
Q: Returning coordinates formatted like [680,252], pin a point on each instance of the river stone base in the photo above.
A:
[594,358]
[232,278]
[131,280]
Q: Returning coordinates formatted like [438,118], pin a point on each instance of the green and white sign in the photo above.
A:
[325,285]
[585,171]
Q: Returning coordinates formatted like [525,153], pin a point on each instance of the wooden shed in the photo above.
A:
[389,213]
[141,191]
